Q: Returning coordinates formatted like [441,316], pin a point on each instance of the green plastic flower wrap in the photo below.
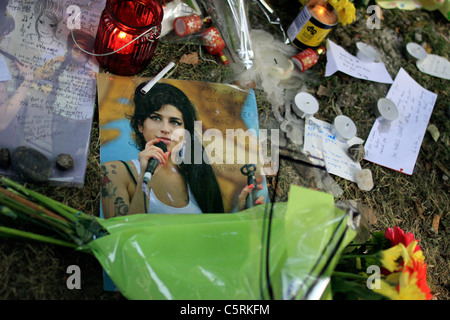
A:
[284,250]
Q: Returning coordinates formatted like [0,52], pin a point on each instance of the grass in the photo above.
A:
[30,270]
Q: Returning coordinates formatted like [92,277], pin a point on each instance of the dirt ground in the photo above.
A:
[418,203]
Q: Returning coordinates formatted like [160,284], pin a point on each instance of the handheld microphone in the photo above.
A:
[153,163]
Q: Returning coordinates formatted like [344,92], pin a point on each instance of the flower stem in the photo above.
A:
[349,275]
[364,256]
[34,236]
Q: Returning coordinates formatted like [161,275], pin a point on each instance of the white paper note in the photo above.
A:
[320,141]
[435,65]
[340,60]
[397,147]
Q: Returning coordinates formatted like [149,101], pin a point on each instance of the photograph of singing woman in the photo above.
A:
[165,114]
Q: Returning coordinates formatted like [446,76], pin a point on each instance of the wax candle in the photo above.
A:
[120,41]
[322,13]
[312,24]
[416,51]
[278,64]
[344,127]
[366,53]
[386,110]
[306,105]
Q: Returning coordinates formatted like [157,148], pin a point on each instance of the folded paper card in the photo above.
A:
[340,60]
[435,66]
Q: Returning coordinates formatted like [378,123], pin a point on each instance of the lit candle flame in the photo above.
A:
[321,11]
[122,35]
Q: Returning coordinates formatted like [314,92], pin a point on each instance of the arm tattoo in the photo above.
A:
[108,189]
[120,207]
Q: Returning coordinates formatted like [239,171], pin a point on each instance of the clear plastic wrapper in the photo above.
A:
[231,18]
[263,17]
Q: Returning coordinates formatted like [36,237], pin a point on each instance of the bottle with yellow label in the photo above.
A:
[312,25]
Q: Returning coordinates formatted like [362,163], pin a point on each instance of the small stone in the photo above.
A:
[64,162]
[5,158]
[30,164]
[364,180]
[418,37]
[356,152]
[434,131]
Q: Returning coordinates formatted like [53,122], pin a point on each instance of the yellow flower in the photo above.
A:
[395,258]
[344,8]
[406,289]
[413,253]
[347,15]
[386,290]
[390,258]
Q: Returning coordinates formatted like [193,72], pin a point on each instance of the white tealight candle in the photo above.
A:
[306,105]
[366,53]
[278,64]
[416,51]
[344,127]
[386,110]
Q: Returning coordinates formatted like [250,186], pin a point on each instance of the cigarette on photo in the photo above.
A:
[158,77]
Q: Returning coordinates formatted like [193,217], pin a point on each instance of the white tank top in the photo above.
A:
[156,206]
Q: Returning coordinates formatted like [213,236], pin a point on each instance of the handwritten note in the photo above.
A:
[340,60]
[435,65]
[320,141]
[398,146]
[52,113]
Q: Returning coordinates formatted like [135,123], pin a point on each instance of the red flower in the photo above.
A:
[419,270]
[397,236]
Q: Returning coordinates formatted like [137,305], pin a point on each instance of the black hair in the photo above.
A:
[199,176]
[7,23]
[51,9]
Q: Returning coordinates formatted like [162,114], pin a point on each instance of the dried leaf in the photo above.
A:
[190,58]
[435,224]
[323,91]
[419,208]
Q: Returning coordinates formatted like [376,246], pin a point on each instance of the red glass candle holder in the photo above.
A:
[121,22]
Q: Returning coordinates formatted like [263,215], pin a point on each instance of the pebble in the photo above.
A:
[418,37]
[64,161]
[30,164]
[434,131]
[356,152]
[5,158]
[364,180]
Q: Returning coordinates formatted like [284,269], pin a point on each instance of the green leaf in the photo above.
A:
[352,290]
